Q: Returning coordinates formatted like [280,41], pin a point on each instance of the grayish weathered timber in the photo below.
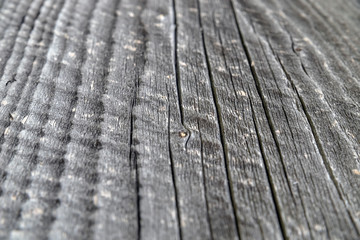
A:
[170,119]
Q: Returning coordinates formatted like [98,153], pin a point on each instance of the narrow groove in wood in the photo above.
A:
[268,175]
[108,153]
[176,63]
[177,70]
[204,182]
[133,159]
[220,124]
[177,205]
[267,114]
[319,146]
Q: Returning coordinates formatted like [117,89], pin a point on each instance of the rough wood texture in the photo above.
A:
[170,119]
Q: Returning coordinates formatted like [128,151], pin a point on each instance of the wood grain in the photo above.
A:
[169,119]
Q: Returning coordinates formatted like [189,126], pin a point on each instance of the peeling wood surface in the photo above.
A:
[169,119]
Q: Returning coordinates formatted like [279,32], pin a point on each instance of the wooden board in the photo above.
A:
[169,119]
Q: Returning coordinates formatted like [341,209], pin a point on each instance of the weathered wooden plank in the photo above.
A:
[305,165]
[152,115]
[204,197]
[331,101]
[231,81]
[169,119]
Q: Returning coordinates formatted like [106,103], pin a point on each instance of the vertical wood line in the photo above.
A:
[220,124]
[257,84]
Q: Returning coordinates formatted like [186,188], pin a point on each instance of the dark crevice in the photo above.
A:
[319,145]
[133,159]
[293,49]
[202,165]
[281,100]
[133,156]
[292,42]
[177,71]
[268,172]
[220,124]
[304,69]
[271,125]
[175,62]
[141,56]
[173,173]
[204,182]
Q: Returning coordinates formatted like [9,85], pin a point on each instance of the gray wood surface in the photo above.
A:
[170,119]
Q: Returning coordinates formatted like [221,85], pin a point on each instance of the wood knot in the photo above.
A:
[182,134]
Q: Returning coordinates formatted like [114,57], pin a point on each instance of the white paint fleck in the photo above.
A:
[137,41]
[130,48]
[65,62]
[23,121]
[326,65]
[37,211]
[221,69]
[218,44]
[318,227]
[160,17]
[95,199]
[52,123]
[72,54]
[105,194]
[307,40]
[319,91]
[194,10]
[99,43]
[182,63]
[7,130]
[242,93]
